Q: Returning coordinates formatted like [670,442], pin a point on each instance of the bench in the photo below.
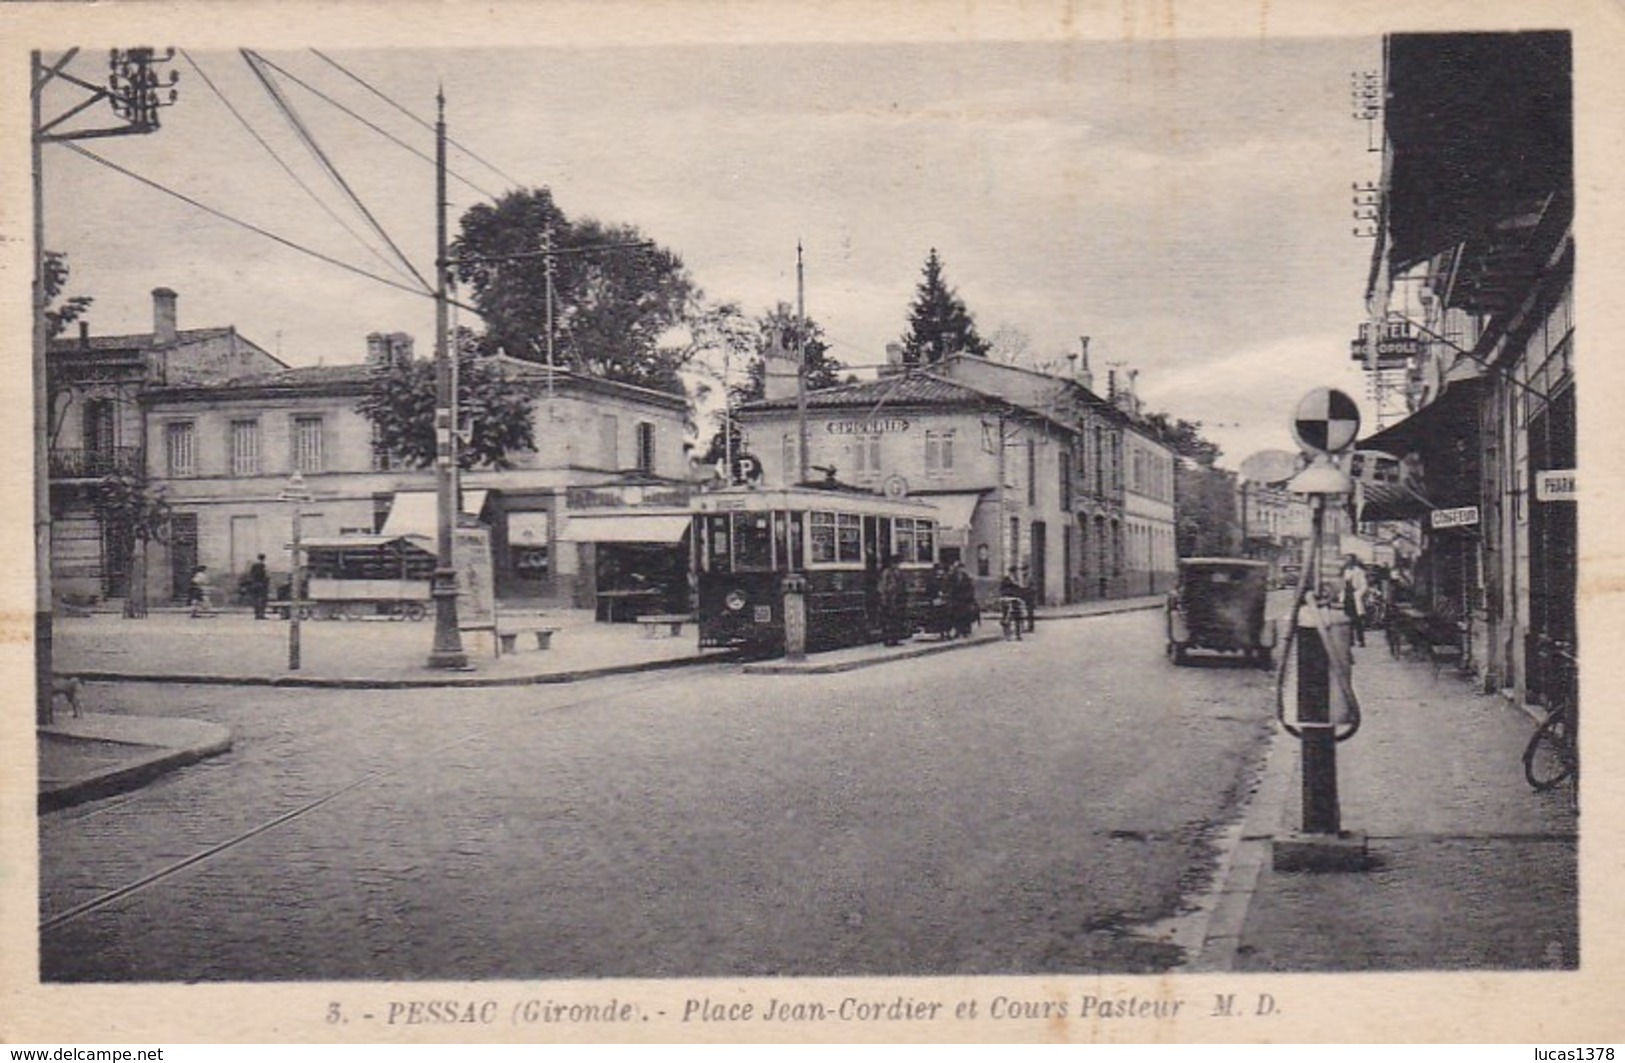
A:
[509,640]
[655,623]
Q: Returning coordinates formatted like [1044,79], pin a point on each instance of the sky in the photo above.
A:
[1186,204]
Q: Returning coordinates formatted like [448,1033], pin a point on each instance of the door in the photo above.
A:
[182,553]
[1039,562]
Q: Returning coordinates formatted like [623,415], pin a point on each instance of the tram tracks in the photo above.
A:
[160,875]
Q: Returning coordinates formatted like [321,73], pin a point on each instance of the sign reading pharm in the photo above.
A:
[1556,485]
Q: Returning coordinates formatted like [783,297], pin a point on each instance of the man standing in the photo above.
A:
[893,603]
[259,586]
[1354,588]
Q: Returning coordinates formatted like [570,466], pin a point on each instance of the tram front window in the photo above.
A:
[753,542]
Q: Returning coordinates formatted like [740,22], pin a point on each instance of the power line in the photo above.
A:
[466,151]
[386,134]
[287,109]
[331,213]
[223,216]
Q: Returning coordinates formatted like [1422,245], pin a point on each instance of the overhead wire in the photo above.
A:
[386,134]
[251,227]
[420,121]
[326,207]
[287,109]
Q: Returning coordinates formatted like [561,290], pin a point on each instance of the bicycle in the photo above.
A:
[1012,615]
[1553,752]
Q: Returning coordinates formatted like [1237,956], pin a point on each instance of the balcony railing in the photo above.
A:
[72,463]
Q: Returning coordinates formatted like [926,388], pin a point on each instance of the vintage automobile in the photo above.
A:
[1218,605]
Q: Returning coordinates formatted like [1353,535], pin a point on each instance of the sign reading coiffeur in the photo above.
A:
[1461,517]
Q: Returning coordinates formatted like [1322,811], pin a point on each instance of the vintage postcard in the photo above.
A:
[810,522]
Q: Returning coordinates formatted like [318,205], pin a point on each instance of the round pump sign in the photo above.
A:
[1326,420]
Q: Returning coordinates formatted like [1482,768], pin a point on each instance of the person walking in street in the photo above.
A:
[961,600]
[259,586]
[1354,590]
[1012,605]
[197,595]
[893,603]
[936,590]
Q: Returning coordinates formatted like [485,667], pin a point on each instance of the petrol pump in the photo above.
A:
[1327,712]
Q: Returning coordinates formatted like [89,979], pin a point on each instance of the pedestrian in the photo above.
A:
[259,586]
[893,603]
[1012,604]
[1354,589]
[936,587]
[961,600]
[197,595]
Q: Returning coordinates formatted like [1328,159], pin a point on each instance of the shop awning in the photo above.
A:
[528,529]
[1439,443]
[632,528]
[954,512]
[417,512]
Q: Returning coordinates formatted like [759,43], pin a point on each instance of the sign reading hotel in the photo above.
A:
[873,426]
[1556,485]
[1462,517]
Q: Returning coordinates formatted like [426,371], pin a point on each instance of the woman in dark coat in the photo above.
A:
[893,603]
[961,599]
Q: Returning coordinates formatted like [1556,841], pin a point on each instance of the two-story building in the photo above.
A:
[600,500]
[1029,470]
[96,386]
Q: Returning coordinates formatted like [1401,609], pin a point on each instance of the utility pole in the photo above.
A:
[135,92]
[801,369]
[448,644]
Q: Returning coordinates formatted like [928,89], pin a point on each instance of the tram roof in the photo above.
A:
[752,500]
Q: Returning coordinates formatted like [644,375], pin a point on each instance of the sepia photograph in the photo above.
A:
[698,522]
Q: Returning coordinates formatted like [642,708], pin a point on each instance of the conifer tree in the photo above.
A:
[939,324]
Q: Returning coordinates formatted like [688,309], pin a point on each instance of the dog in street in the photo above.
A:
[67,688]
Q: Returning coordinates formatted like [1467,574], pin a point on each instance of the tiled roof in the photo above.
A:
[133,341]
[908,389]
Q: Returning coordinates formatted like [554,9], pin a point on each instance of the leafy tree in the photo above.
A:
[496,407]
[59,316]
[776,329]
[134,513]
[1185,437]
[939,324]
[1206,524]
[612,305]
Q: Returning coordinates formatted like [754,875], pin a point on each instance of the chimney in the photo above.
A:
[894,360]
[400,347]
[164,331]
[377,351]
[1111,385]
[1086,376]
[84,334]
[1134,392]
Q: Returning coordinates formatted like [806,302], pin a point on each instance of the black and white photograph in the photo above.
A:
[710,522]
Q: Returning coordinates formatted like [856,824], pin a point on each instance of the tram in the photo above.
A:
[355,576]
[746,540]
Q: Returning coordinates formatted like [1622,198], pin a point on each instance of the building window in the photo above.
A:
[939,452]
[180,448]
[1065,480]
[646,447]
[382,459]
[307,444]
[1032,473]
[245,448]
[865,458]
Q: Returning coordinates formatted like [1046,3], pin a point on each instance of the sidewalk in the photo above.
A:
[92,755]
[1468,868]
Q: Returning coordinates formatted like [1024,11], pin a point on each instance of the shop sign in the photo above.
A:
[867,427]
[1461,517]
[619,496]
[1555,485]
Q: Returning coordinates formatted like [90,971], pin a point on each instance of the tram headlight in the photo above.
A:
[735,600]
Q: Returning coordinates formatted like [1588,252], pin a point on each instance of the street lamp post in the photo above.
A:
[447,651]
[297,493]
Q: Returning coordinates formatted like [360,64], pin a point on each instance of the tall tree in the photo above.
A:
[59,315]
[497,408]
[776,329]
[613,304]
[938,323]
[1185,437]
